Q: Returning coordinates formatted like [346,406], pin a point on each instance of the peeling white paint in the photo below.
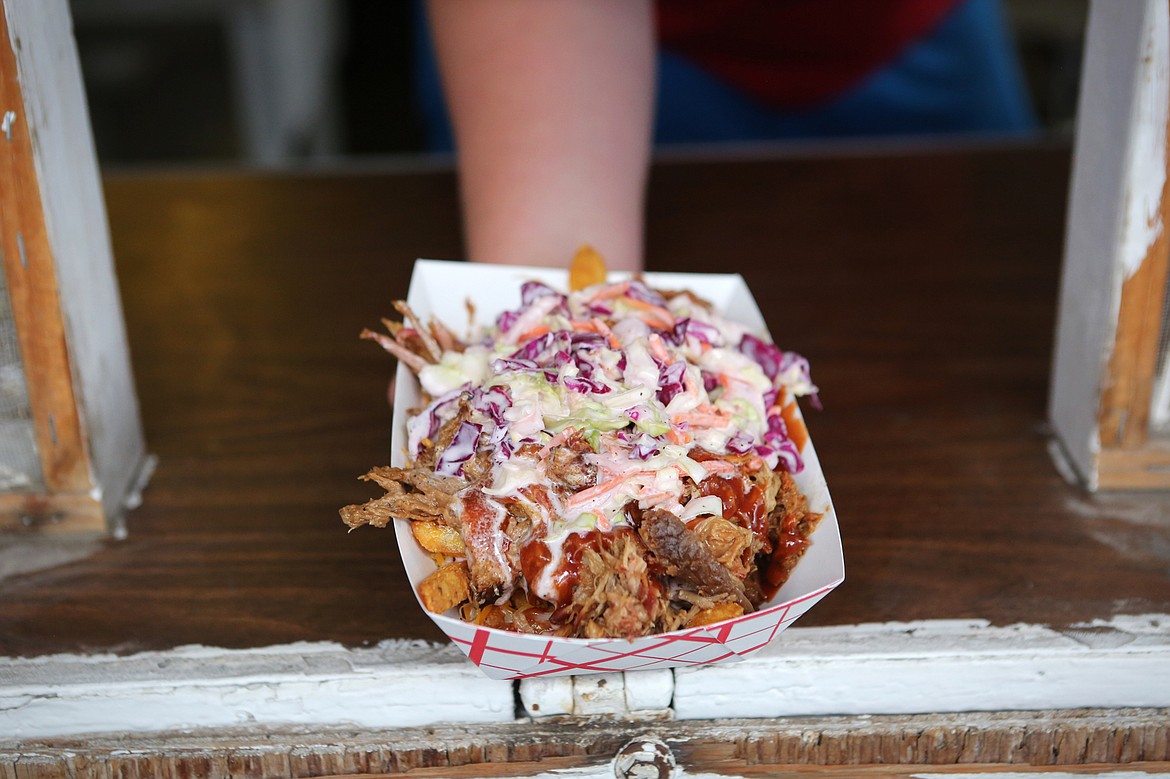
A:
[1146,163]
[599,694]
[1119,170]
[633,694]
[938,666]
[547,696]
[649,691]
[606,772]
[397,684]
[1102,772]
[917,667]
[56,117]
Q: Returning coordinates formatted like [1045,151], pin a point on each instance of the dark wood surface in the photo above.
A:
[922,287]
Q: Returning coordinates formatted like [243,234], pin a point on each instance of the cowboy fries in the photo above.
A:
[446,588]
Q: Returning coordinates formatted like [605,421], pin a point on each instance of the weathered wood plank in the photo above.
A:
[752,747]
[30,270]
[1117,250]
[58,265]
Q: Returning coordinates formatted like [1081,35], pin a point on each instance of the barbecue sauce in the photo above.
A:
[790,545]
[536,556]
[741,499]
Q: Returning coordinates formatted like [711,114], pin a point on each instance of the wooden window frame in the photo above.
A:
[59,268]
[1117,253]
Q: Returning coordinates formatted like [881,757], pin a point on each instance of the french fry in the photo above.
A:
[587,268]
[436,537]
[446,588]
[714,614]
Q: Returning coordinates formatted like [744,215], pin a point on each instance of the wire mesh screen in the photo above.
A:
[20,466]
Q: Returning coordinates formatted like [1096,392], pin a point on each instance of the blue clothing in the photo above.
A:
[962,78]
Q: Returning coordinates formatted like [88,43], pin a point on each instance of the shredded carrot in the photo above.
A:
[718,466]
[657,349]
[678,436]
[535,332]
[700,419]
[556,440]
[611,291]
[601,490]
[657,312]
[654,322]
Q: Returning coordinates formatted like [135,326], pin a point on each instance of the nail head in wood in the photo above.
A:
[644,758]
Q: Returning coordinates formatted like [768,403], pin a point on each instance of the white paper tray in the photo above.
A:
[442,289]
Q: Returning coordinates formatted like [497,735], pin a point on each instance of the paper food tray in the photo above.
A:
[442,289]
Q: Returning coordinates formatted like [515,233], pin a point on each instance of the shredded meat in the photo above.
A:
[484,527]
[615,596]
[410,494]
[568,468]
[684,556]
[789,496]
[730,543]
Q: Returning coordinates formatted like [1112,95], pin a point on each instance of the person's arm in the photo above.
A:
[551,102]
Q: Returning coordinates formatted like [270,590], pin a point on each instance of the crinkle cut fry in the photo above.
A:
[410,494]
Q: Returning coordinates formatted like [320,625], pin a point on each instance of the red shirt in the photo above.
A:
[794,53]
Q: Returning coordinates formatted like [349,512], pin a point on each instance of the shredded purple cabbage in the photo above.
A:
[598,309]
[768,356]
[426,424]
[557,342]
[670,381]
[585,341]
[639,291]
[741,443]
[778,441]
[702,331]
[710,381]
[645,447]
[531,290]
[585,385]
[506,319]
[492,402]
[513,364]
[461,449]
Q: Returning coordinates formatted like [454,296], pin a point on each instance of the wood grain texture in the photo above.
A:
[1133,362]
[832,746]
[57,130]
[921,286]
[33,294]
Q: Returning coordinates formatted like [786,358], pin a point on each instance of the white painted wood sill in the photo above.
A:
[892,668]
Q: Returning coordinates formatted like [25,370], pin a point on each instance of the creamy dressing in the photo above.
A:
[642,385]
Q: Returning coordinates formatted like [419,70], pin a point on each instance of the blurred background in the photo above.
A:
[266,82]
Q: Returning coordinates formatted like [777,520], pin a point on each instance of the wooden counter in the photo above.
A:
[921,286]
